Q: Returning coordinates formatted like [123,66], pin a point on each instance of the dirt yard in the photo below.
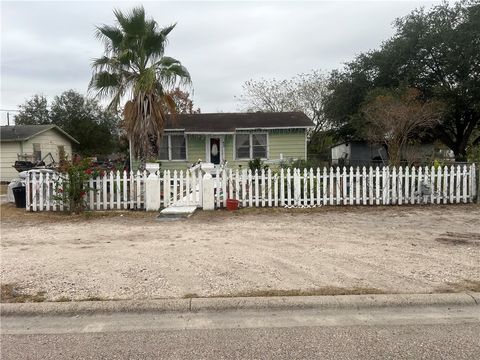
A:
[250,252]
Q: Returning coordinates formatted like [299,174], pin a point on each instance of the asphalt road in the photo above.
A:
[389,333]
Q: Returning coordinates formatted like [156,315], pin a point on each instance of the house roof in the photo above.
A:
[231,122]
[26,132]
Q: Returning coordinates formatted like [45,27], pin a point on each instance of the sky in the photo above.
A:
[48,47]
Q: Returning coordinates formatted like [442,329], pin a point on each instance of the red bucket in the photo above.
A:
[232,204]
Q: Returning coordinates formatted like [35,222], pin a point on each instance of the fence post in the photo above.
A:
[208,194]
[476,183]
[152,192]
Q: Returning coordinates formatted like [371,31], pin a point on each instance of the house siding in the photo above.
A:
[49,142]
[290,144]
[9,152]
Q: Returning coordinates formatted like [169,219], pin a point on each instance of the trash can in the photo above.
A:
[20,196]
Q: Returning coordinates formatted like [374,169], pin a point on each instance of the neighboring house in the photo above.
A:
[364,153]
[234,137]
[31,143]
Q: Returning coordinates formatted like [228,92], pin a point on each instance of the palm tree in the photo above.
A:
[134,68]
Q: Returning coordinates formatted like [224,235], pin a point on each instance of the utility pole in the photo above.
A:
[8,118]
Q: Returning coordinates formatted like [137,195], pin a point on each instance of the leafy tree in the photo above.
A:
[34,112]
[437,52]
[183,103]
[134,66]
[96,129]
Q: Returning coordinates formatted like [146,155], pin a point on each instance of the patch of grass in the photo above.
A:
[190,296]
[465,285]
[63,299]
[11,294]
[94,298]
[451,238]
[323,291]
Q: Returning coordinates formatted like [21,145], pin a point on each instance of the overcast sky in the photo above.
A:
[47,47]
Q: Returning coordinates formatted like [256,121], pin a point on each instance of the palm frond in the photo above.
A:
[173,74]
[134,67]
[166,30]
[133,23]
[167,61]
[110,35]
[154,45]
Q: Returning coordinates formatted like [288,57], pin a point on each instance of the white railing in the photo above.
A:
[285,188]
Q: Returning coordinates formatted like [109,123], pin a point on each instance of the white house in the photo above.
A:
[31,143]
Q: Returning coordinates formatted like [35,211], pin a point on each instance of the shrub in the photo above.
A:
[257,165]
[72,184]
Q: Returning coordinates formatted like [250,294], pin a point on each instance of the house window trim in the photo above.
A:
[251,145]
[169,147]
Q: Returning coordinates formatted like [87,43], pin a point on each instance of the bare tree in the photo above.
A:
[304,92]
[395,119]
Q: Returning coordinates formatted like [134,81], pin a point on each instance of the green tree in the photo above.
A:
[437,52]
[134,66]
[95,128]
[34,112]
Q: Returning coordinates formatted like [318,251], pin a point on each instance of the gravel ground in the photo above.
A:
[133,256]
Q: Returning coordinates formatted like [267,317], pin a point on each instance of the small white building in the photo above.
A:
[31,143]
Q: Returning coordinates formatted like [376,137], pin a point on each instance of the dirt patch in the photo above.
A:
[11,213]
[452,238]
[252,252]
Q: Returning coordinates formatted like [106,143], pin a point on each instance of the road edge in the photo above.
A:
[241,303]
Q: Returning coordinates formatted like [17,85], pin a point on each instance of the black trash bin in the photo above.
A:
[20,196]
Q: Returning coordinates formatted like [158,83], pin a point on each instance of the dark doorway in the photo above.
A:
[215,151]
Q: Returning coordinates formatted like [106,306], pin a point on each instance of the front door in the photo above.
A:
[215,151]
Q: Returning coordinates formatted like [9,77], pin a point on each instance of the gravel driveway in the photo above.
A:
[132,255]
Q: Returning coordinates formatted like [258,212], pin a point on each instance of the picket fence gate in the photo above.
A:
[267,188]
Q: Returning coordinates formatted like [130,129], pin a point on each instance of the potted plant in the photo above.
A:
[232,203]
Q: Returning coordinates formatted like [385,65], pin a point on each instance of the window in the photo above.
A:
[251,146]
[178,148]
[173,147]
[37,152]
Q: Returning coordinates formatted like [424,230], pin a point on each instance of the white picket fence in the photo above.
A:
[350,186]
[285,188]
[114,191]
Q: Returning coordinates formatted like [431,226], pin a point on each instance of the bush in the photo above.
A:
[257,165]
[72,184]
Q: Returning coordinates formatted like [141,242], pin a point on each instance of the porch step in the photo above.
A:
[178,210]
